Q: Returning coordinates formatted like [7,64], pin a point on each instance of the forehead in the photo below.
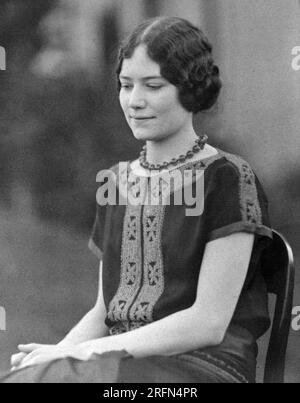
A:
[140,65]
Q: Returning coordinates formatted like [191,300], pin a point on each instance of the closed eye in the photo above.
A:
[154,87]
[126,86]
[150,86]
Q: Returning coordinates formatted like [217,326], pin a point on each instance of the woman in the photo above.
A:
[181,296]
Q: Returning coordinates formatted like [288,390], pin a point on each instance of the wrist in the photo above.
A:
[116,344]
[65,343]
[104,345]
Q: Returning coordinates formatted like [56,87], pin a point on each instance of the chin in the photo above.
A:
[145,136]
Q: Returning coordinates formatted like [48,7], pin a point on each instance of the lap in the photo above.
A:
[104,369]
[116,368]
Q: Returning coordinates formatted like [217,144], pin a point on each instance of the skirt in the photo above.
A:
[117,367]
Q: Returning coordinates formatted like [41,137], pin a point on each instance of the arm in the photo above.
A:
[92,325]
[223,273]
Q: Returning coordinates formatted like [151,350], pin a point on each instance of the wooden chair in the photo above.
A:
[278,268]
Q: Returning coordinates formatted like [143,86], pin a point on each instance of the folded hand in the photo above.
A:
[35,354]
[25,349]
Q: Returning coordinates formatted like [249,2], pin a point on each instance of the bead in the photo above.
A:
[196,149]
[174,161]
[202,140]
[189,154]
[182,158]
[165,164]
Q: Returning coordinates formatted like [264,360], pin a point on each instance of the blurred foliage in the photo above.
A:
[57,131]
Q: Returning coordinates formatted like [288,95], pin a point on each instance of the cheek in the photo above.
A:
[168,103]
[170,111]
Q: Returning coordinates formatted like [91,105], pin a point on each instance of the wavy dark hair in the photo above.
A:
[185,58]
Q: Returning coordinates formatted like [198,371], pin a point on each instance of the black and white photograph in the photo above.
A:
[149,194]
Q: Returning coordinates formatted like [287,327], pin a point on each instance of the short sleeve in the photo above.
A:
[236,203]
[96,240]
[95,243]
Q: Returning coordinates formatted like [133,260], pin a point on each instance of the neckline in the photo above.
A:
[203,163]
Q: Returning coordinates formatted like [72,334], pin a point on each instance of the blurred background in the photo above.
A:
[60,123]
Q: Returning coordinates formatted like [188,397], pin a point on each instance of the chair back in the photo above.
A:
[279,271]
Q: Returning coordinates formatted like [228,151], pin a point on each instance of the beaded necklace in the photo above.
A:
[199,145]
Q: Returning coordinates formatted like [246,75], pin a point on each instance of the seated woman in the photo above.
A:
[181,294]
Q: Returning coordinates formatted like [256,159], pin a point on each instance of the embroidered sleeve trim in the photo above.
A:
[240,227]
[251,214]
[248,196]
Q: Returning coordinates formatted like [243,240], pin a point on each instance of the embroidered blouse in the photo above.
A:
[152,252]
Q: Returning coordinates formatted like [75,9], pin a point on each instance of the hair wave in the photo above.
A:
[185,58]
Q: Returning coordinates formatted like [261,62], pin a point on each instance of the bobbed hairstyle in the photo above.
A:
[185,58]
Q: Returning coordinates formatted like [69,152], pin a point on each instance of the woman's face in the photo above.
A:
[150,103]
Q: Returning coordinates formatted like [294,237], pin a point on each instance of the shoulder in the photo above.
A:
[232,176]
[236,175]
[233,165]
[234,161]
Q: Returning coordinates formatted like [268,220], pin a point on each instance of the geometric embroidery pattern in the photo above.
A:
[123,327]
[142,275]
[153,271]
[249,203]
[131,273]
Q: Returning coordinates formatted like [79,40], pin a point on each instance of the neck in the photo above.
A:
[170,147]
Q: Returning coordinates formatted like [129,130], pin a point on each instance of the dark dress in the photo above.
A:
[152,255]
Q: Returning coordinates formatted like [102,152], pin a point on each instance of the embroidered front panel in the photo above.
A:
[123,327]
[153,270]
[249,203]
[131,271]
[141,278]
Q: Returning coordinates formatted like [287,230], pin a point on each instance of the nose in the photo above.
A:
[137,99]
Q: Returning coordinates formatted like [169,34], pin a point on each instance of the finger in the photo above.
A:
[33,361]
[27,348]
[16,359]
[26,364]
[29,357]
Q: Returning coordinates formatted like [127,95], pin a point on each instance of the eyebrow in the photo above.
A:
[144,78]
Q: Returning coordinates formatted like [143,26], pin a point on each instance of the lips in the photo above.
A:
[139,118]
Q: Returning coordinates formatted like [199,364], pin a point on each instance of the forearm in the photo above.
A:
[90,327]
[180,332]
